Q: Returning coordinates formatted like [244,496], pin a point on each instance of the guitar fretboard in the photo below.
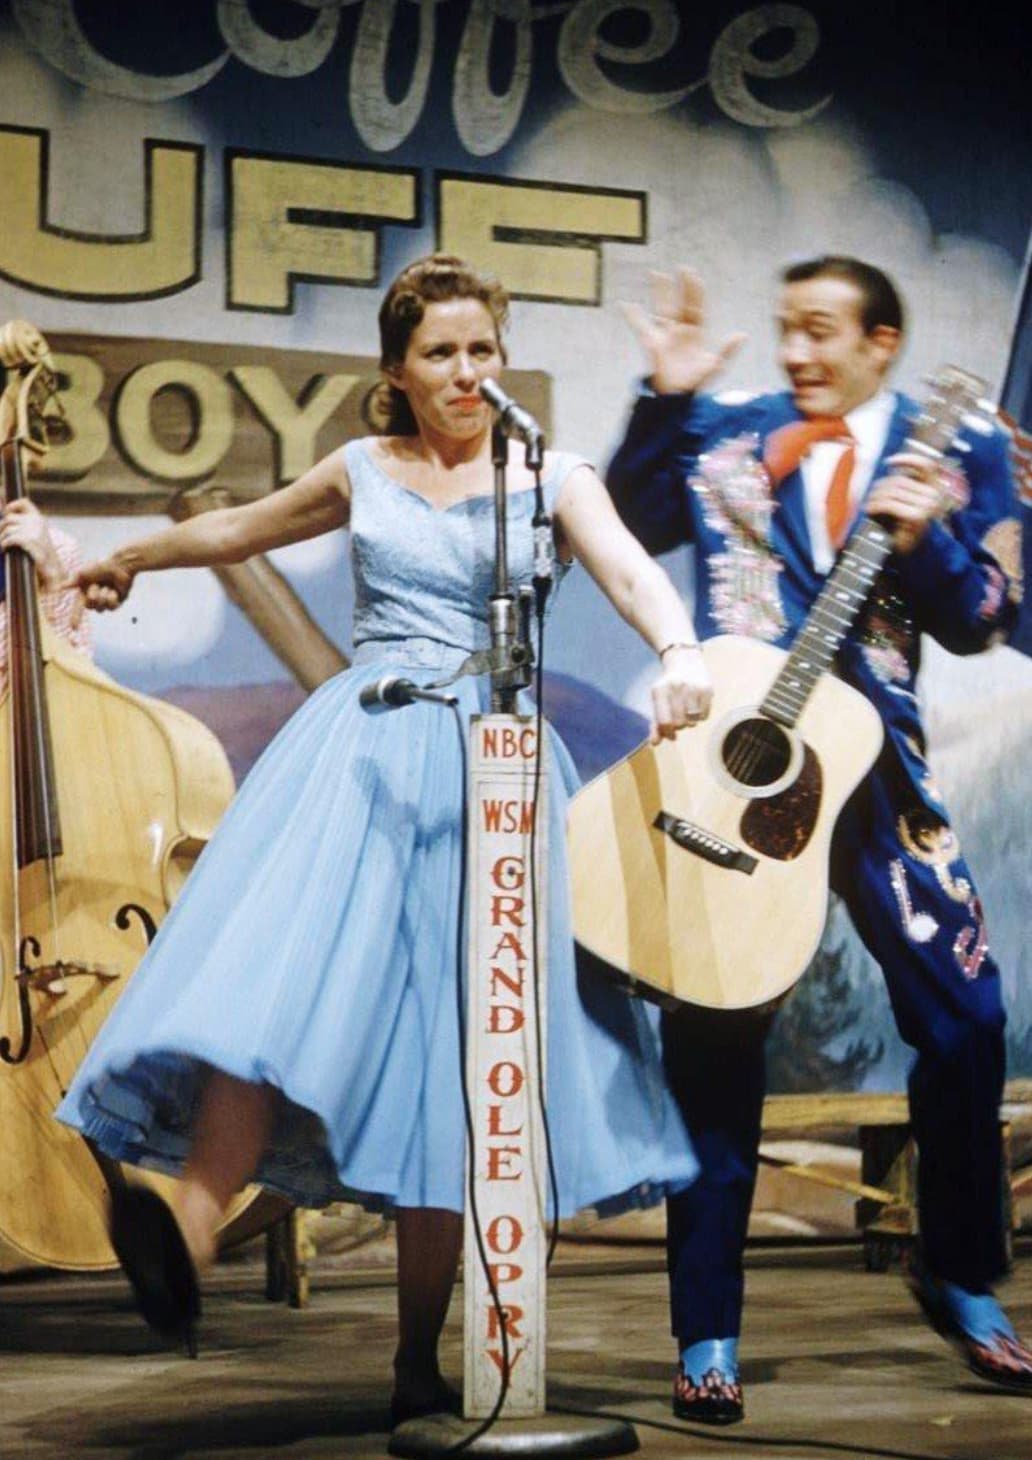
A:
[828,622]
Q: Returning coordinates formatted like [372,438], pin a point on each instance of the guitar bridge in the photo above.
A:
[704,844]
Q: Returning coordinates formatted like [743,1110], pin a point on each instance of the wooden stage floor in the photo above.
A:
[837,1363]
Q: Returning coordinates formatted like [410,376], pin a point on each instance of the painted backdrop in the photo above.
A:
[201,204]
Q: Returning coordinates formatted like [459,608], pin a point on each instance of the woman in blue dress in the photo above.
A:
[295,1021]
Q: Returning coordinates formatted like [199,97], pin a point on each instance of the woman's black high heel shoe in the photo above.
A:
[445,1400]
[157,1262]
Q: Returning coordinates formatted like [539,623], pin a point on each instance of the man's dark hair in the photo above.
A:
[879,298]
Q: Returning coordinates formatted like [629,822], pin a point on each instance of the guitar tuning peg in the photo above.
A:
[982,417]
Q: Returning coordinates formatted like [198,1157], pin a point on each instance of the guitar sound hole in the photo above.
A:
[756,752]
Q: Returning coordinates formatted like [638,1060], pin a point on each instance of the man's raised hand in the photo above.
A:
[672,335]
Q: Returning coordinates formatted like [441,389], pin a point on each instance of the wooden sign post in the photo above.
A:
[510,1173]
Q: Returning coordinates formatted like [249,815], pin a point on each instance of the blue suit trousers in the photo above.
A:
[945,993]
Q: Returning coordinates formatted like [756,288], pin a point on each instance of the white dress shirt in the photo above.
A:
[869,426]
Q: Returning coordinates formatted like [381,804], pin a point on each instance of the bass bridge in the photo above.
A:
[51,978]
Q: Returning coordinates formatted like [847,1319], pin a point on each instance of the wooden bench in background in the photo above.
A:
[886,1213]
[878,1124]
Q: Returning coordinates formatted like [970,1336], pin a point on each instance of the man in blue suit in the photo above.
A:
[766,488]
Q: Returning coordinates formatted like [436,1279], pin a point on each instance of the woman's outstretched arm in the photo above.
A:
[642,594]
[318,501]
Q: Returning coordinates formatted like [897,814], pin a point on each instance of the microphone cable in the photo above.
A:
[539,693]
[542,588]
[467,1103]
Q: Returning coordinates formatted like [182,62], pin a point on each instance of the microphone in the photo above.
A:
[514,417]
[391,692]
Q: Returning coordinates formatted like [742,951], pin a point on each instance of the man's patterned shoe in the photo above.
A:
[978,1328]
[1005,1361]
[715,1400]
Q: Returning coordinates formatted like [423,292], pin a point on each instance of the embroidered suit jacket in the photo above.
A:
[690,470]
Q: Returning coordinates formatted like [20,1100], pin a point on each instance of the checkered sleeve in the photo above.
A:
[65,608]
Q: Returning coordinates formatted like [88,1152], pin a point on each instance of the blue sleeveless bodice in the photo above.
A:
[423,575]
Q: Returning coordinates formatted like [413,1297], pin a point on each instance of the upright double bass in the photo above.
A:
[106,799]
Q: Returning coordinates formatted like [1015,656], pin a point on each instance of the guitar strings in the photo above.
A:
[754,744]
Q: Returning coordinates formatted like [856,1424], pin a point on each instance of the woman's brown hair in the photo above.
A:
[431,280]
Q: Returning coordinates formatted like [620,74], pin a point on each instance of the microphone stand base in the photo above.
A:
[543,1434]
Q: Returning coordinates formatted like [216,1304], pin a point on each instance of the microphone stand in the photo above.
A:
[512,654]
[504,1402]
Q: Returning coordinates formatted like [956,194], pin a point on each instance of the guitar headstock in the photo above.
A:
[954,397]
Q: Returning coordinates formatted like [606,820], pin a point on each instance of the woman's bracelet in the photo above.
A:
[678,644]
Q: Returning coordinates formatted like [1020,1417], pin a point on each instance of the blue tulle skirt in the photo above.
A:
[314,948]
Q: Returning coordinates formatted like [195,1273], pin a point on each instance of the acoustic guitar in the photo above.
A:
[699,867]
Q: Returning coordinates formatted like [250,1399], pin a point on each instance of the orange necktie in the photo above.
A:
[785,449]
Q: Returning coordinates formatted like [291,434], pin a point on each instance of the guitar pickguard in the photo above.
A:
[781,826]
